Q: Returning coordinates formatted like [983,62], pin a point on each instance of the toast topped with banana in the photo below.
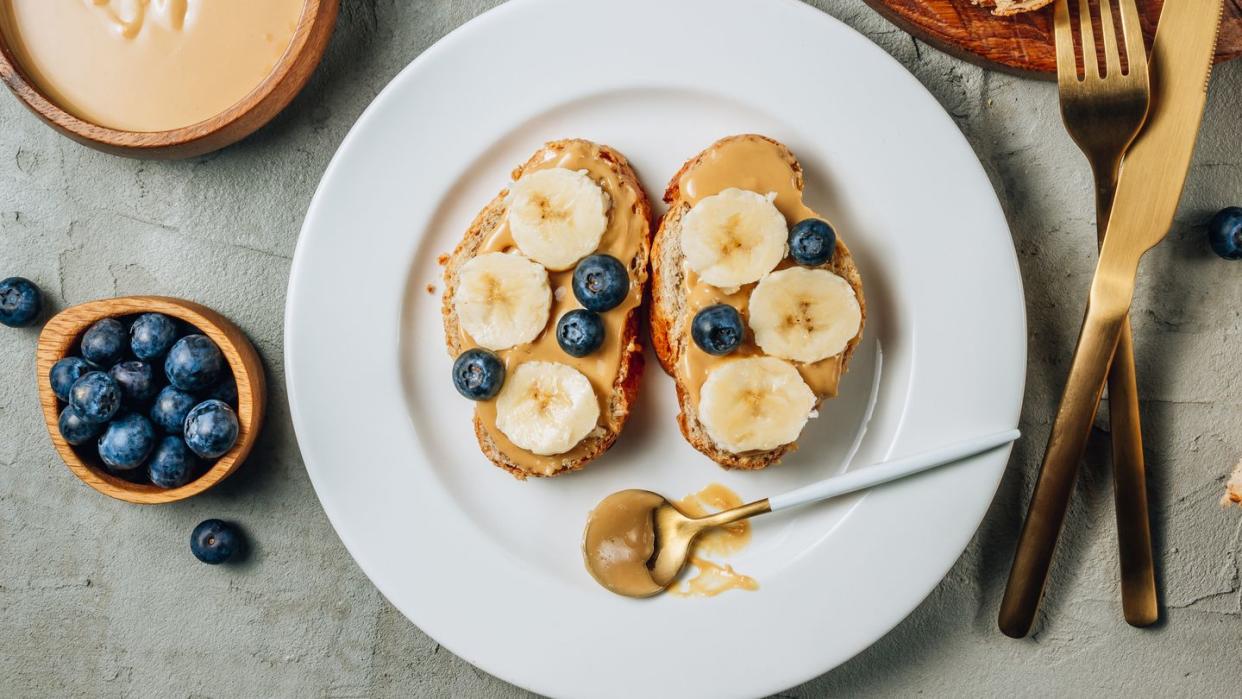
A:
[756,303]
[541,308]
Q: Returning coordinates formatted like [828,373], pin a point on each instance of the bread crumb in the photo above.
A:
[431,289]
[442,259]
[1233,489]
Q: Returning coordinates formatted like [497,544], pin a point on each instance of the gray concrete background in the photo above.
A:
[99,598]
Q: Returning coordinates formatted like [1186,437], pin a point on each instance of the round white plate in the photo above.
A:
[489,566]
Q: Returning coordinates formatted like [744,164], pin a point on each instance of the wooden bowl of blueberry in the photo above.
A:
[149,399]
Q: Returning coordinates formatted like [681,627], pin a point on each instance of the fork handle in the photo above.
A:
[1038,539]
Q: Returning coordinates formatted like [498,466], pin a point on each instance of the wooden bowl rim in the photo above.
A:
[314,12]
[61,333]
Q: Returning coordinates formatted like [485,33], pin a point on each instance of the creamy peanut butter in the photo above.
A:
[148,65]
[712,578]
[622,239]
[760,166]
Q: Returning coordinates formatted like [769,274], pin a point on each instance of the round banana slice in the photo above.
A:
[502,299]
[804,314]
[754,403]
[546,407]
[733,238]
[557,216]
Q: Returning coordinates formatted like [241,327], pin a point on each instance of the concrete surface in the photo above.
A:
[98,598]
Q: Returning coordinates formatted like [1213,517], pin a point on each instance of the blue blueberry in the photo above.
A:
[478,374]
[211,428]
[170,408]
[152,335]
[812,242]
[104,342]
[1225,233]
[20,302]
[580,332]
[65,372]
[600,283]
[214,541]
[127,442]
[96,396]
[194,363]
[717,329]
[76,429]
[136,379]
[172,464]
[226,391]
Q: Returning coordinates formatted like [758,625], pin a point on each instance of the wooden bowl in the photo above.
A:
[61,335]
[290,75]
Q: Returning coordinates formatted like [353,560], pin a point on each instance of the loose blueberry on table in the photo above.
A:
[127,442]
[152,335]
[600,283]
[95,396]
[172,464]
[65,372]
[211,429]
[76,429]
[20,302]
[137,381]
[170,408]
[1225,233]
[214,541]
[104,343]
[812,242]
[580,332]
[194,363]
[717,329]
[478,374]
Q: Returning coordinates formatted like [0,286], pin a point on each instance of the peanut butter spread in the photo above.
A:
[622,239]
[712,578]
[758,165]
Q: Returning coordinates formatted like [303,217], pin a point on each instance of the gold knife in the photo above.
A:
[1148,192]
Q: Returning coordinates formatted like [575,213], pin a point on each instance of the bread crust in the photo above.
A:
[1006,8]
[625,387]
[667,311]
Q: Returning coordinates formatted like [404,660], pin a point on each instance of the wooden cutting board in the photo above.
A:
[1022,43]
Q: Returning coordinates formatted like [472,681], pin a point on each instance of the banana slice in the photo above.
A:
[804,314]
[754,403]
[503,299]
[557,216]
[734,237]
[546,407]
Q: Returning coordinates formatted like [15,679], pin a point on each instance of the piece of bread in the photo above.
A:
[1233,488]
[625,388]
[1006,8]
[670,318]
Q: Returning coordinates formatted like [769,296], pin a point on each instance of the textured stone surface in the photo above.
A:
[98,598]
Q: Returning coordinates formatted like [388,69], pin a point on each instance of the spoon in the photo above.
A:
[636,541]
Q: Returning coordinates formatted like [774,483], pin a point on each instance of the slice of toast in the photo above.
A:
[1005,8]
[1233,488]
[671,314]
[615,399]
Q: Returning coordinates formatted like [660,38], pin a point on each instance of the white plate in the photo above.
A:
[490,567]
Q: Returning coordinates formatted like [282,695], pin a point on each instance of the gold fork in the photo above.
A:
[1103,114]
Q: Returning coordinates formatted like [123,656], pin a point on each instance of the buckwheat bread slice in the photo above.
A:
[670,318]
[625,388]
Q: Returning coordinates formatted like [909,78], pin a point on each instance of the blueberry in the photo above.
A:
[580,332]
[1225,233]
[170,408]
[76,429]
[127,442]
[717,329]
[194,363]
[600,283]
[214,541]
[812,242]
[65,372]
[152,335]
[478,374]
[211,428]
[20,302]
[226,391]
[96,396]
[136,379]
[104,342]
[172,464]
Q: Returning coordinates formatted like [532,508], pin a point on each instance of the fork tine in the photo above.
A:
[1112,55]
[1132,31]
[1067,64]
[1090,63]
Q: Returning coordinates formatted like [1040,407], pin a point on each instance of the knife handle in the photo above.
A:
[1037,541]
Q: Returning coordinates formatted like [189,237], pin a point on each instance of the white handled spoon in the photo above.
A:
[636,541]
